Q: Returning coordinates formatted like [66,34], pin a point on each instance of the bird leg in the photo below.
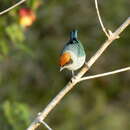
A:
[73,73]
[73,76]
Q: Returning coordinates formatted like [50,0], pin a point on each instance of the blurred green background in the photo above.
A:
[29,71]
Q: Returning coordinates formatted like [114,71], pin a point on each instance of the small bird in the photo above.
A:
[73,55]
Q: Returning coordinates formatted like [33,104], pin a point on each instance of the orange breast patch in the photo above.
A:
[64,58]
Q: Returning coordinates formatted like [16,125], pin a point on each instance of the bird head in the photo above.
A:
[65,60]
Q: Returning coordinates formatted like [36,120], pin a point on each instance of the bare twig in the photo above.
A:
[10,8]
[75,80]
[100,20]
[109,41]
[46,125]
[104,74]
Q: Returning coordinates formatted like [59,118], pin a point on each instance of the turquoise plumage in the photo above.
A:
[73,54]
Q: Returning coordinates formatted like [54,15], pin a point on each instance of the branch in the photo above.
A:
[46,125]
[104,74]
[10,8]
[75,80]
[100,20]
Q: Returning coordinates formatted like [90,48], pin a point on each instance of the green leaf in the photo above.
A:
[4,47]
[32,4]
[17,115]
[15,33]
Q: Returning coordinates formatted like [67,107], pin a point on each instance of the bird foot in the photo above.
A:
[73,79]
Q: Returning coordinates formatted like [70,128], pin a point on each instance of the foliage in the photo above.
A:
[16,116]
[29,71]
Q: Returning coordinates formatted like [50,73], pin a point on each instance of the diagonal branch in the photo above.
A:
[10,8]
[75,80]
[104,74]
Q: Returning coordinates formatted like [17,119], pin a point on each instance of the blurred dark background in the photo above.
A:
[29,71]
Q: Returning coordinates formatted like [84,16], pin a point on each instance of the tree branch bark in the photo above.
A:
[10,8]
[40,117]
[104,74]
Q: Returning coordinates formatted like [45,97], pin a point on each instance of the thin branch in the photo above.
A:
[113,37]
[100,20]
[46,125]
[104,74]
[75,80]
[10,8]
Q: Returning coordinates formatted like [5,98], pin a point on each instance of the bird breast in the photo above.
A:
[77,63]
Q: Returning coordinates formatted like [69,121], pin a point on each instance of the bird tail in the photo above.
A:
[73,35]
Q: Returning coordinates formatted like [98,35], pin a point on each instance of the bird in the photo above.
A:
[73,55]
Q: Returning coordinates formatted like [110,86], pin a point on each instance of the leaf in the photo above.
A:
[15,33]
[34,4]
[4,47]
[17,115]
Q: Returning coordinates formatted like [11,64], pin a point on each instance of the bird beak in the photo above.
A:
[61,68]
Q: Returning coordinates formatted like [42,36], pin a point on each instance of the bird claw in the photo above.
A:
[73,79]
